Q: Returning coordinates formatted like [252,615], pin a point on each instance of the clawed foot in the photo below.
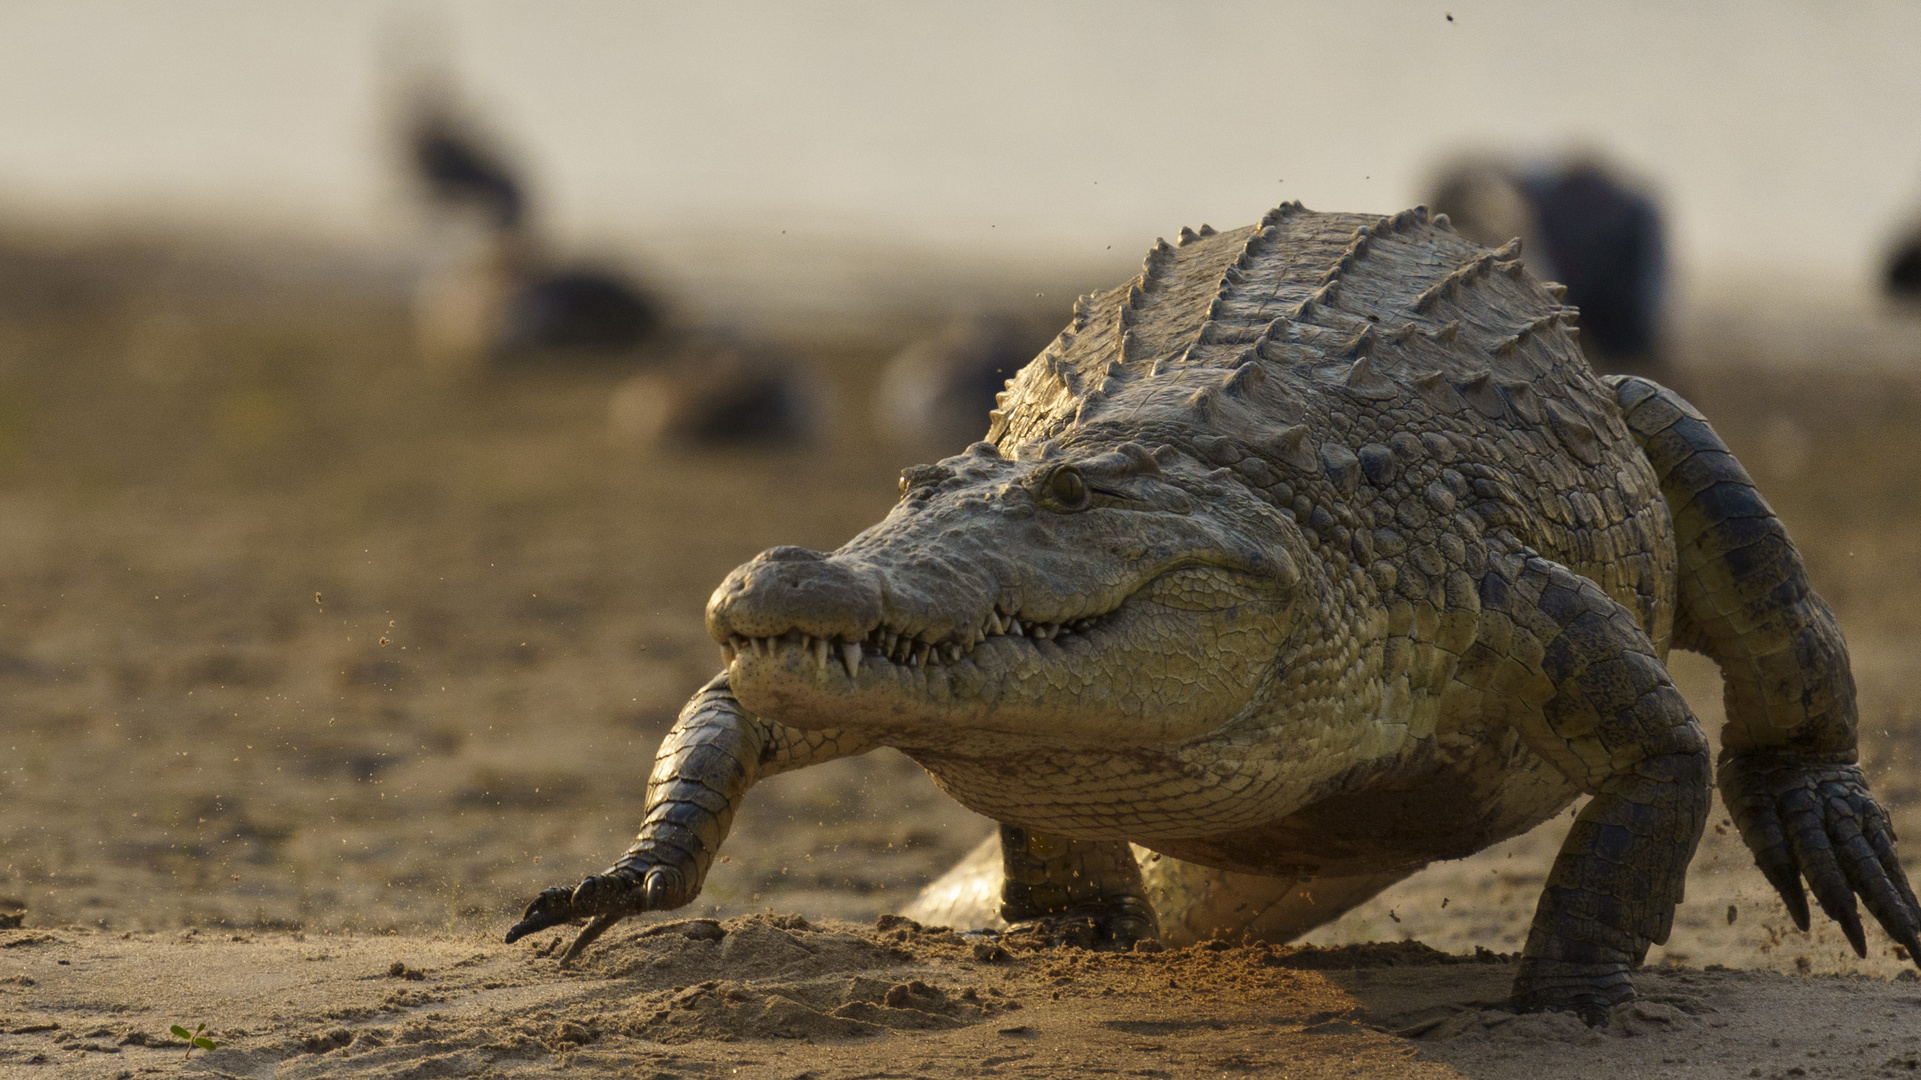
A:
[1819,820]
[1111,925]
[603,899]
[1589,991]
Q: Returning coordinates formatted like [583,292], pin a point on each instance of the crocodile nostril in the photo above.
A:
[794,590]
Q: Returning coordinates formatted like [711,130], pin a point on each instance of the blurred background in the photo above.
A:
[383,386]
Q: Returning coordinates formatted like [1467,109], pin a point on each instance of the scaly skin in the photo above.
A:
[1311,556]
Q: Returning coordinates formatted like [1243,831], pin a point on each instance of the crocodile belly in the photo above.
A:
[1139,795]
[1448,809]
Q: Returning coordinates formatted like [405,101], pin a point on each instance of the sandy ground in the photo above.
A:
[304,648]
[777,996]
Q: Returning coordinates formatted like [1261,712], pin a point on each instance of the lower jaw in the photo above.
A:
[1018,700]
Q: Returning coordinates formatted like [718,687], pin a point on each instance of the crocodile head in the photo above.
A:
[1099,593]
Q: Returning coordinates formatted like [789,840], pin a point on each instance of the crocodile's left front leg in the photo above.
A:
[1577,677]
[715,752]
[1790,771]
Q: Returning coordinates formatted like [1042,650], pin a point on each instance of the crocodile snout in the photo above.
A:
[792,588]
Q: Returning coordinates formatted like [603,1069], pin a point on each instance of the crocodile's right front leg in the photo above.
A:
[715,752]
[1579,681]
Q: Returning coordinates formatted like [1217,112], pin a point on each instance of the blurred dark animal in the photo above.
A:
[581,310]
[1903,278]
[1584,226]
[509,302]
[718,389]
[935,393]
[458,167]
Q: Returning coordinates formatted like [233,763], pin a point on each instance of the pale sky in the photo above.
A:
[1784,137]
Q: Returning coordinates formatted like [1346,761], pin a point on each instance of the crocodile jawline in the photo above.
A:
[891,645]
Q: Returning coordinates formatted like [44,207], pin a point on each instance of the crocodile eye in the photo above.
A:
[1067,488]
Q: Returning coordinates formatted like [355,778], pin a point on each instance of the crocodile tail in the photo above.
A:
[1745,599]
[1195,903]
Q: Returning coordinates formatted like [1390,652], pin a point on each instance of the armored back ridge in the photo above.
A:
[1249,327]
[1311,555]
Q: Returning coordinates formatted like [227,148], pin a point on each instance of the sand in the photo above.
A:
[778,996]
[309,654]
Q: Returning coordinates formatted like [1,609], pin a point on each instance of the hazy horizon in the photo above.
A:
[1783,138]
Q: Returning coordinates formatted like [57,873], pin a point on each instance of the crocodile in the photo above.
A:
[1312,555]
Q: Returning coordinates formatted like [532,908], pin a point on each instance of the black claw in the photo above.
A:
[1815,850]
[587,935]
[551,908]
[1870,881]
[1819,821]
[1881,837]
[1885,894]
[1113,924]
[1847,915]
[604,899]
[1787,882]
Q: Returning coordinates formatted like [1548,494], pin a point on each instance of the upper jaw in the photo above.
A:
[893,643]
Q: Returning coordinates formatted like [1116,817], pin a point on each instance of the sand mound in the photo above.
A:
[778,976]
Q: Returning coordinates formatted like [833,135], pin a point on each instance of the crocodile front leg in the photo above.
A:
[1576,676]
[1082,892]
[1788,770]
[715,752]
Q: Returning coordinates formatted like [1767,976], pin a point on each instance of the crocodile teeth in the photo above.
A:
[905,649]
[820,652]
[728,651]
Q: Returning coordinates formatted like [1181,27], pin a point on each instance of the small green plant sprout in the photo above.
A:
[195,1038]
